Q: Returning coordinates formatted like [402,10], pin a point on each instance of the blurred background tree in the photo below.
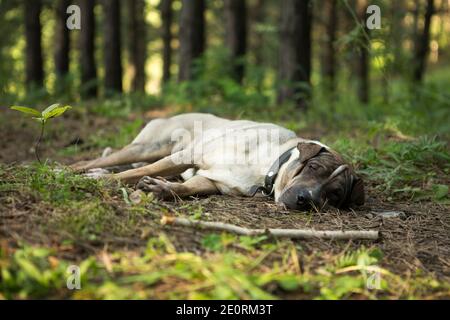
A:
[192,36]
[236,35]
[34,67]
[231,57]
[112,46]
[62,44]
[166,34]
[137,43]
[87,62]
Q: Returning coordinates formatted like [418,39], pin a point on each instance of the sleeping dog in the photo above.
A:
[237,157]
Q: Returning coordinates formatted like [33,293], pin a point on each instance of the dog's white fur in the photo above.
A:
[229,177]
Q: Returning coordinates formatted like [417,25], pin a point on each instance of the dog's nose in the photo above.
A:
[304,198]
[300,199]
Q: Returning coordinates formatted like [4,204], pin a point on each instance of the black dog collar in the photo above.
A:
[269,180]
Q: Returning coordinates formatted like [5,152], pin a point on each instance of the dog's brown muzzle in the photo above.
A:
[300,196]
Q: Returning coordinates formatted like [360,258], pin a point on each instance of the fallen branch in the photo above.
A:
[278,233]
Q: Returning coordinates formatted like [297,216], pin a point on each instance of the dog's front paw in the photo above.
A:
[160,189]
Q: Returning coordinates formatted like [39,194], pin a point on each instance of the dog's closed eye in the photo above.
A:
[313,166]
[316,168]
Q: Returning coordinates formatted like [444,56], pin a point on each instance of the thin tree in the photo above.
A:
[236,35]
[329,58]
[295,52]
[192,36]
[363,56]
[422,43]
[397,32]
[112,46]
[137,43]
[87,49]
[256,16]
[62,42]
[167,17]
[34,69]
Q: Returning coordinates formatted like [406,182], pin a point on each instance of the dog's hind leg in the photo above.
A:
[171,165]
[151,144]
[197,185]
[132,153]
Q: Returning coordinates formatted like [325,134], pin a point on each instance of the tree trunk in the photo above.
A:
[137,43]
[236,35]
[112,41]
[256,16]
[192,36]
[329,60]
[87,50]
[34,68]
[416,18]
[295,52]
[166,16]
[398,11]
[363,59]
[62,43]
[422,45]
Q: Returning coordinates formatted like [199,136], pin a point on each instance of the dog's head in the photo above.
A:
[319,177]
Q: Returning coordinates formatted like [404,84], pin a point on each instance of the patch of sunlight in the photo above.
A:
[153,16]
[175,44]
[17,51]
[380,61]
[153,70]
[315,79]
[98,11]
[176,5]
[408,20]
[269,78]
[154,3]
[48,41]
[15,89]
[434,51]
[128,75]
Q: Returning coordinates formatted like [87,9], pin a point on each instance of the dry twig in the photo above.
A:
[278,233]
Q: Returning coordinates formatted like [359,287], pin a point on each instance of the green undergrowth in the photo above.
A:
[83,211]
[160,271]
[416,169]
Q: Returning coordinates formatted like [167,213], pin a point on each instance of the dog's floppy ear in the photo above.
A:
[308,150]
[357,196]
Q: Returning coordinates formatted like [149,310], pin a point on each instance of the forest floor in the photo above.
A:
[52,219]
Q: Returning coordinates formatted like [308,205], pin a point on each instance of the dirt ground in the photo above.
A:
[418,238]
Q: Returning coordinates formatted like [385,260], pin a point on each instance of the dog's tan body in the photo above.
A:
[209,154]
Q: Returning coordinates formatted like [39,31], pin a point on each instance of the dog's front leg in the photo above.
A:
[162,189]
[169,166]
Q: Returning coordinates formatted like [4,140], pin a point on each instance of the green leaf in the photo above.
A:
[55,110]
[50,108]
[126,198]
[27,110]
[249,242]
[289,282]
[440,191]
[212,242]
[39,119]
[29,269]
